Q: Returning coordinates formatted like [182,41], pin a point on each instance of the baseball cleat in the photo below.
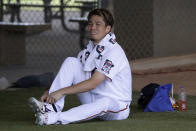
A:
[42,107]
[46,118]
[41,119]
[35,105]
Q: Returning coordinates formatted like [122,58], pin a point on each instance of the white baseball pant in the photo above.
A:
[93,105]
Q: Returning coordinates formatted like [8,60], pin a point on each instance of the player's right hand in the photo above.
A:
[44,96]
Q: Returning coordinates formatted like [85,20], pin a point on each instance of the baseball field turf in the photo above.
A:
[15,115]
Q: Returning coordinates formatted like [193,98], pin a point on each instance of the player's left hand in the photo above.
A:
[54,97]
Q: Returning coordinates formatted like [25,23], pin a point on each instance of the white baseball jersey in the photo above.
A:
[109,58]
[111,99]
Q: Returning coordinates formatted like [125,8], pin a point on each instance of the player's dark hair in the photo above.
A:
[107,16]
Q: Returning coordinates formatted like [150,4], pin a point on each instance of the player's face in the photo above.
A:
[97,29]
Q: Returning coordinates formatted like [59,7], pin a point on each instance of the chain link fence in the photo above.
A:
[47,50]
[134,27]
[143,28]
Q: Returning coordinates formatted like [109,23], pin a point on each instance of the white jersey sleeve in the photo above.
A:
[111,63]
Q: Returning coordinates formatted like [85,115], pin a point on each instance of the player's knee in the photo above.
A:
[71,61]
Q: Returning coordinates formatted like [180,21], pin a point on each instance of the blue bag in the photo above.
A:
[160,101]
[146,94]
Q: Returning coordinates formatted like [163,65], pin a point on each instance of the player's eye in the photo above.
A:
[90,23]
[98,24]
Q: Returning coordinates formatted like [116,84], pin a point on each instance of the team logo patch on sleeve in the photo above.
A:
[107,66]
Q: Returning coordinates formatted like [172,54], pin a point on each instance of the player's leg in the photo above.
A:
[84,112]
[69,73]
[117,113]
[85,98]
[76,114]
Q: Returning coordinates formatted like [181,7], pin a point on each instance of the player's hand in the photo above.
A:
[54,97]
[44,96]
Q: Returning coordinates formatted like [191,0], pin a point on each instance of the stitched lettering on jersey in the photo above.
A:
[110,33]
[113,41]
[99,57]
[46,109]
[86,55]
[107,66]
[99,49]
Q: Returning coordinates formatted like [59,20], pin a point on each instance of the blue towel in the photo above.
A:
[160,101]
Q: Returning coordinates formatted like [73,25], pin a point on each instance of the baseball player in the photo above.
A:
[100,75]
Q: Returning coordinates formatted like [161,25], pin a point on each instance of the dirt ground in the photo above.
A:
[183,76]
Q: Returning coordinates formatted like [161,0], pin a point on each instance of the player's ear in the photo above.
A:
[108,28]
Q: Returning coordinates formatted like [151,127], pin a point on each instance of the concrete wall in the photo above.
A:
[134,27]
[174,27]
[147,28]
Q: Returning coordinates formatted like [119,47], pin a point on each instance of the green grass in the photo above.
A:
[16,115]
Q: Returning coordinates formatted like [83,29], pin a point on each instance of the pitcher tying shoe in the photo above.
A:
[100,76]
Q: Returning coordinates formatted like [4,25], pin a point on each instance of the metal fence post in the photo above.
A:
[1,10]
[99,3]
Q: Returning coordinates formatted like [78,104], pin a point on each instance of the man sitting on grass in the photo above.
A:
[100,75]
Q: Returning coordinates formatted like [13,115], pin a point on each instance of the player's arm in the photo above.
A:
[44,96]
[83,86]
